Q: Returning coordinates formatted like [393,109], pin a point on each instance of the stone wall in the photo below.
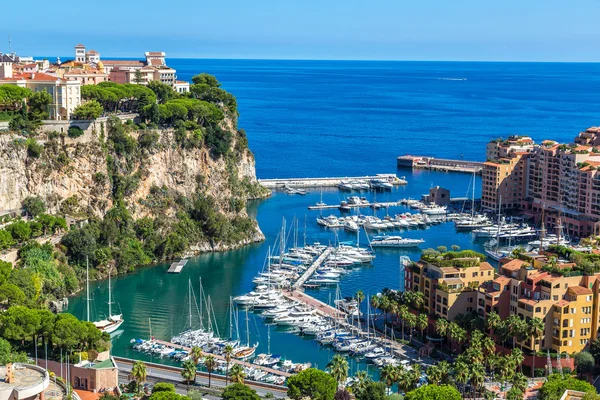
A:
[88,126]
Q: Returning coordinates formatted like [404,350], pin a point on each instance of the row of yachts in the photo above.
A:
[356,222]
[298,318]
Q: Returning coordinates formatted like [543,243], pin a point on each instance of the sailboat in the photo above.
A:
[113,322]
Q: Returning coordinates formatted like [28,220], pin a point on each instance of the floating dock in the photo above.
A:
[326,182]
[439,164]
[176,267]
[313,267]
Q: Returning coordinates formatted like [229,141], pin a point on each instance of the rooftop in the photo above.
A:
[579,290]
[514,264]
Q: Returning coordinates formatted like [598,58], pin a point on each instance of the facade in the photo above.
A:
[181,87]
[568,305]
[29,382]
[101,374]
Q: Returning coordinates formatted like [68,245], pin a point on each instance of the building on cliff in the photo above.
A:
[560,179]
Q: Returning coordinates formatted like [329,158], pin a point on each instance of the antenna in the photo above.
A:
[9,44]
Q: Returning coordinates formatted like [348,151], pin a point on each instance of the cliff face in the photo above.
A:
[73,176]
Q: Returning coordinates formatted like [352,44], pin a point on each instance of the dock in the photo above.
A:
[326,182]
[439,164]
[176,267]
[219,357]
[361,205]
[313,267]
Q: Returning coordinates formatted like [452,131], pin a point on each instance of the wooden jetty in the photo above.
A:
[313,267]
[219,357]
[326,182]
[439,164]
[361,205]
[176,267]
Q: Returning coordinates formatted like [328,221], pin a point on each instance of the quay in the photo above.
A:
[326,182]
[219,357]
[176,267]
[439,164]
[313,267]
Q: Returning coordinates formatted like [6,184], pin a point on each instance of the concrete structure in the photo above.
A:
[438,195]
[25,381]
[91,376]
[439,164]
[181,87]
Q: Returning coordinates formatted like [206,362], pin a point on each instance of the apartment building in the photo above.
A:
[568,305]
[450,286]
[561,179]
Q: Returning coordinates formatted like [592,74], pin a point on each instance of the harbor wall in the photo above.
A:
[439,164]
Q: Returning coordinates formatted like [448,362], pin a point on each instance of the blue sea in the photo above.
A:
[328,118]
[307,118]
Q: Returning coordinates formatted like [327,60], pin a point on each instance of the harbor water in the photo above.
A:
[151,299]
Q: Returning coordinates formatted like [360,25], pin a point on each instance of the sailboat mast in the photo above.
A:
[190,304]
[109,297]
[201,294]
[230,318]
[282,242]
[473,197]
[247,330]
[542,231]
[499,219]
[269,340]
[87,286]
[305,223]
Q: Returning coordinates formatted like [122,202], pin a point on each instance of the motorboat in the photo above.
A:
[434,210]
[395,241]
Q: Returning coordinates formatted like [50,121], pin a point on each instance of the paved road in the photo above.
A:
[157,374]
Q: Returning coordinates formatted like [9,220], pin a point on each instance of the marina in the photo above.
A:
[332,182]
[439,164]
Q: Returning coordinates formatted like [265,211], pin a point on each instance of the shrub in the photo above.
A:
[75,132]
[34,149]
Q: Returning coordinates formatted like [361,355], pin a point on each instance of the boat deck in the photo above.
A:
[176,267]
[362,205]
[326,182]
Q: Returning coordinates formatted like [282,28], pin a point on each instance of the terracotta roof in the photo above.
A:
[30,65]
[38,76]
[552,278]
[528,301]
[513,265]
[156,62]
[579,290]
[122,62]
[452,281]
[156,53]
[484,266]
[502,279]
[92,52]
[182,82]
[562,303]
[449,269]
[80,45]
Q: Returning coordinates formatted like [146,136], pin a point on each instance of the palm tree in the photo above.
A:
[387,375]
[362,378]
[403,314]
[492,322]
[536,330]
[523,331]
[441,328]
[138,371]
[513,322]
[237,374]
[519,381]
[411,321]
[196,354]
[444,368]
[338,369]
[422,322]
[461,373]
[488,346]
[517,358]
[188,372]
[360,297]
[477,376]
[375,302]
[492,362]
[434,375]
[210,364]
[227,352]
[455,247]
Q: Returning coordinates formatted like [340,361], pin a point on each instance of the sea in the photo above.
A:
[347,118]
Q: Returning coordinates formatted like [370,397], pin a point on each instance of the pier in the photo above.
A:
[326,182]
[361,205]
[313,267]
[176,267]
[439,164]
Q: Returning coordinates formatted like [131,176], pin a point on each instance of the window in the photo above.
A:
[588,298]
[475,274]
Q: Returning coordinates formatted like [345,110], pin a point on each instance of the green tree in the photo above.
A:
[163,387]
[371,391]
[39,103]
[89,110]
[431,392]
[168,396]
[239,391]
[34,205]
[205,79]
[163,91]
[422,322]
[19,230]
[312,383]
[5,271]
[6,240]
[514,394]
[584,362]
[11,294]
[338,368]
[188,372]
[138,78]
[210,364]
[556,385]
[139,373]
[19,323]
[227,352]
[237,374]
[7,355]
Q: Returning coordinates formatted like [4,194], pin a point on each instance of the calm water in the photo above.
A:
[350,118]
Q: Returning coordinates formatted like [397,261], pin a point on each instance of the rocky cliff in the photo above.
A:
[154,176]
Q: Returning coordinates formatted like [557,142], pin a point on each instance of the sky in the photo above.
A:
[453,30]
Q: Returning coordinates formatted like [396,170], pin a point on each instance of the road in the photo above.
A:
[157,373]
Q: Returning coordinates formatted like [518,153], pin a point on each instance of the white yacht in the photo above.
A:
[434,210]
[395,241]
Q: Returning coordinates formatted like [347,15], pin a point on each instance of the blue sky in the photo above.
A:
[523,30]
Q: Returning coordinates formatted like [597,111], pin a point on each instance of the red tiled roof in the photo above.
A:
[156,53]
[37,76]
[30,65]
[156,62]
[80,45]
[579,290]
[484,266]
[502,279]
[92,52]
[122,62]
[513,265]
